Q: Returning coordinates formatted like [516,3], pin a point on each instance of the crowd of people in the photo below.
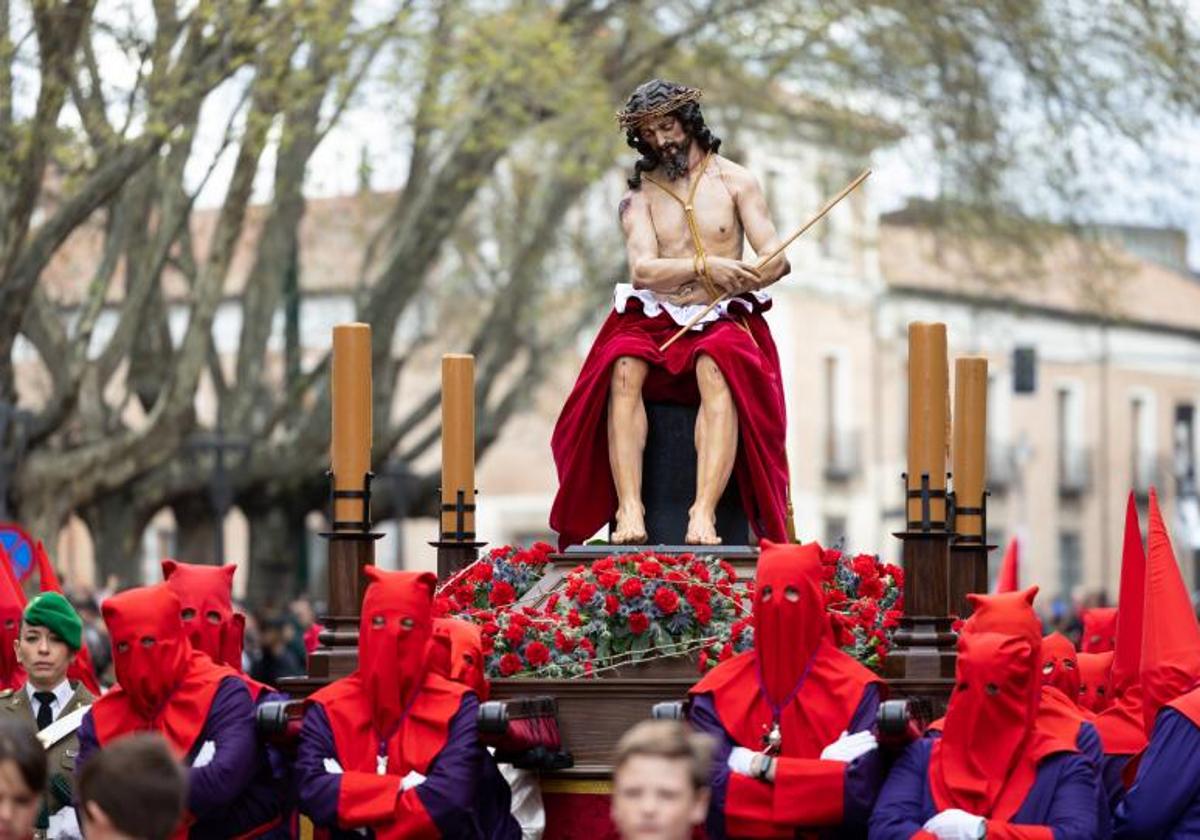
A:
[780,741]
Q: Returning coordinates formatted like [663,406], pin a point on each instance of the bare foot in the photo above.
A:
[702,529]
[631,526]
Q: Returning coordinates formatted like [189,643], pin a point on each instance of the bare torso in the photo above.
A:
[716,211]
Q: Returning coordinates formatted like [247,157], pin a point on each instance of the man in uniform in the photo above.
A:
[685,217]
[51,634]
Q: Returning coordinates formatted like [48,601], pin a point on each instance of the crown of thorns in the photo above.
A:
[676,99]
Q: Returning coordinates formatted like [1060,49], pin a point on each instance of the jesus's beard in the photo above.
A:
[674,158]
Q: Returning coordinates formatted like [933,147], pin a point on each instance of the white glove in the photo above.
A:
[955,824]
[849,747]
[739,760]
[208,751]
[411,780]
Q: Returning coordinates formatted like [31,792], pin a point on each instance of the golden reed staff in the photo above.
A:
[846,190]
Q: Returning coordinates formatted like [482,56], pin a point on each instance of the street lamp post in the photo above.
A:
[220,481]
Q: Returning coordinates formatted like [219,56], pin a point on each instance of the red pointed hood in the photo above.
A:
[1170,636]
[12,604]
[1094,678]
[1099,630]
[206,600]
[1122,725]
[457,654]
[393,636]
[1009,579]
[1060,665]
[47,577]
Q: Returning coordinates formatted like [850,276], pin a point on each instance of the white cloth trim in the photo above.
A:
[61,728]
[652,305]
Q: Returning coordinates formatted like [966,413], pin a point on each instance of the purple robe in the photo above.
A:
[863,776]
[220,794]
[463,793]
[1165,798]
[1112,768]
[1063,797]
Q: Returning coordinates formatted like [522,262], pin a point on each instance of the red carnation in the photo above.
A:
[834,596]
[700,571]
[543,548]
[631,588]
[666,599]
[730,572]
[573,618]
[726,652]
[573,584]
[563,642]
[611,604]
[490,628]
[603,565]
[957,625]
[703,661]
[725,588]
[895,572]
[697,595]
[703,613]
[502,593]
[514,634]
[638,623]
[676,576]
[586,593]
[537,654]
[499,551]
[552,602]
[489,644]
[441,606]
[608,579]
[865,567]
[510,663]
[868,612]
[519,619]
[482,571]
[586,644]
[871,587]
[650,569]
[891,618]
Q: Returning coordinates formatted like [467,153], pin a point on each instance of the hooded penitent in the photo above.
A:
[12,603]
[1121,725]
[1170,636]
[986,760]
[1099,630]
[392,709]
[163,684]
[1060,666]
[1009,579]
[206,599]
[458,654]
[1094,676]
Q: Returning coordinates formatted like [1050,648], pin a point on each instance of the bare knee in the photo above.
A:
[710,379]
[627,377]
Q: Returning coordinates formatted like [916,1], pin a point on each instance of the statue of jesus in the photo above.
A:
[685,218]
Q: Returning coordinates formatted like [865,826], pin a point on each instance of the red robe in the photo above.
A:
[745,353]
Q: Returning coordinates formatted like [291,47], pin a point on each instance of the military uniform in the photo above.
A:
[61,755]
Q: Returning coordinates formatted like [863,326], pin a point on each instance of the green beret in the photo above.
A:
[54,612]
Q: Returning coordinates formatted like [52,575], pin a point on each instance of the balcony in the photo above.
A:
[1074,471]
[843,455]
[1001,467]
[1147,471]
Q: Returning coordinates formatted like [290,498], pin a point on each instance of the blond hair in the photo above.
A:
[671,739]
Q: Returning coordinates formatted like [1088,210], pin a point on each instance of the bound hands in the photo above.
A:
[955,824]
[730,277]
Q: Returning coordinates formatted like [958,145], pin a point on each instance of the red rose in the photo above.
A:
[537,654]
[650,569]
[502,593]
[573,618]
[666,600]
[608,580]
[482,571]
[510,663]
[703,613]
[638,623]
[611,604]
[586,593]
[514,634]
[631,588]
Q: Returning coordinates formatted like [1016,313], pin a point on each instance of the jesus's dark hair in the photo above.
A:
[646,97]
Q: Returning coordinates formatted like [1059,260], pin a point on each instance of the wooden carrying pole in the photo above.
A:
[762,263]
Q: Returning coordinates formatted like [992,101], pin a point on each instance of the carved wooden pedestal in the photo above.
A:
[337,655]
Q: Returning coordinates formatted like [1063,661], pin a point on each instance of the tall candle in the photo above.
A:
[970,441]
[928,415]
[350,449]
[458,442]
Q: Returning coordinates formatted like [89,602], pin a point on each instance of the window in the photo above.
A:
[1183,440]
[841,442]
[1142,449]
[1070,562]
[1074,461]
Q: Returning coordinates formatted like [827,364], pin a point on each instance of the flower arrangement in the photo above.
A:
[624,609]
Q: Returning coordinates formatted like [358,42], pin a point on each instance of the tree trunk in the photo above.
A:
[117,528]
[195,528]
[276,549]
